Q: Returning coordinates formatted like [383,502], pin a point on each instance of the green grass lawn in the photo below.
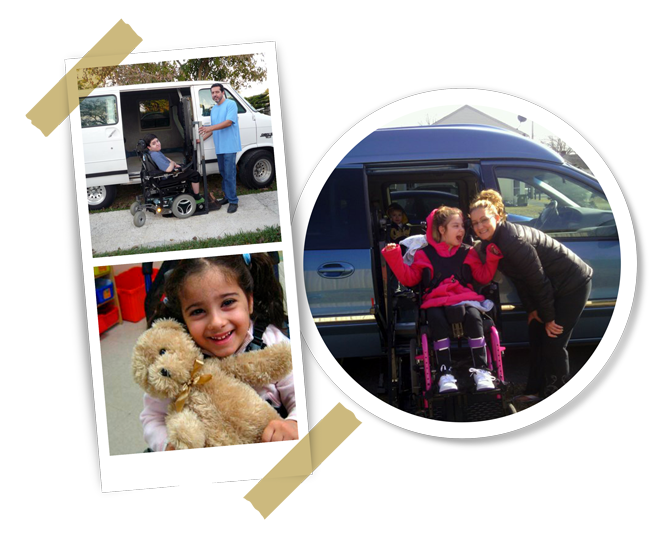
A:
[270,234]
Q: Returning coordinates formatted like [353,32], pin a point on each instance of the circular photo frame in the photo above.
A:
[402,112]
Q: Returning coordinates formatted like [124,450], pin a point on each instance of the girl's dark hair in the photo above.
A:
[257,280]
[149,138]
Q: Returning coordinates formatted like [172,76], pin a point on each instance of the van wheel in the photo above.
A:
[101,196]
[258,170]
[183,206]
[139,218]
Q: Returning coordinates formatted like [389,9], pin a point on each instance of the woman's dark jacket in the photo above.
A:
[540,267]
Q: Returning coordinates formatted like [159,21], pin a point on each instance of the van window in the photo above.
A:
[98,111]
[420,201]
[554,203]
[154,114]
[339,217]
[206,102]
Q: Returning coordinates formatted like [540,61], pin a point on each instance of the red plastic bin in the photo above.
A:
[131,292]
[107,317]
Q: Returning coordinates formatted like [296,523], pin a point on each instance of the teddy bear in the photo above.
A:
[213,400]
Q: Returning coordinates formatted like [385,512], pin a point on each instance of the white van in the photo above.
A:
[113,119]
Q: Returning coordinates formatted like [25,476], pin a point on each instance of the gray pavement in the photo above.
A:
[115,230]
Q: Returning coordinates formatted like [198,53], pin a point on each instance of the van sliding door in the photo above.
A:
[203,103]
[338,266]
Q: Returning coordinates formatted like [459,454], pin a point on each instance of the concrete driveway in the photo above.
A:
[115,230]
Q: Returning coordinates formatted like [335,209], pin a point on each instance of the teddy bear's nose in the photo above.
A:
[165,373]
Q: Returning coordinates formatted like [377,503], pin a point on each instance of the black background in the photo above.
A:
[325,84]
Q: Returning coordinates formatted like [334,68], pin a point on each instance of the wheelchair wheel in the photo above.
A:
[183,206]
[134,208]
[415,380]
[139,218]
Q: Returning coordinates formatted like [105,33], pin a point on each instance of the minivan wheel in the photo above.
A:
[258,170]
[101,196]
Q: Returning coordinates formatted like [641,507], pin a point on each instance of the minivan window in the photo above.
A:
[554,203]
[206,102]
[98,111]
[154,114]
[419,202]
[338,220]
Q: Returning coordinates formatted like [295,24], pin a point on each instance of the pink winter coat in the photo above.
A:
[449,291]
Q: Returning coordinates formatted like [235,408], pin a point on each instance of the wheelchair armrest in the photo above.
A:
[491,292]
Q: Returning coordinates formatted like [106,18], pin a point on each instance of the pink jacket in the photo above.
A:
[281,393]
[449,292]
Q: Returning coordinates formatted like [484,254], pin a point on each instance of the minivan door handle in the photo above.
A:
[335,270]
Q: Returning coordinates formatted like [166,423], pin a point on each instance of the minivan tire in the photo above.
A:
[101,196]
[258,169]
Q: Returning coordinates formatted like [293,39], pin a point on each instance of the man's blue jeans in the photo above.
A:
[228,170]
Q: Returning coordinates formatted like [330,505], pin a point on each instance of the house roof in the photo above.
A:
[470,115]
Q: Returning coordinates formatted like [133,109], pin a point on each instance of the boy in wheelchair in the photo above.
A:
[167,165]
[446,267]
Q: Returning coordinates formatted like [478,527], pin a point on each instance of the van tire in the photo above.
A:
[258,169]
[101,196]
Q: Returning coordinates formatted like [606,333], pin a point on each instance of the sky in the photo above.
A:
[436,113]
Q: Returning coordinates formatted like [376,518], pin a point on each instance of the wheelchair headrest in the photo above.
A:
[141,147]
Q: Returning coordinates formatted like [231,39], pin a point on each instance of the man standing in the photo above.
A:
[227,142]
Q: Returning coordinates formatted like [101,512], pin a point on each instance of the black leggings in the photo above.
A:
[549,358]
[441,329]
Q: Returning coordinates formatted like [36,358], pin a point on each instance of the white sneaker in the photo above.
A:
[447,383]
[483,379]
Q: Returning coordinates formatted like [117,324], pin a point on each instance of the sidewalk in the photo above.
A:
[115,230]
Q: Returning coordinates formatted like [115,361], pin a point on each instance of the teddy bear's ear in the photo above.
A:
[170,324]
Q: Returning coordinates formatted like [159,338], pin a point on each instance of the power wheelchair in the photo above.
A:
[168,193]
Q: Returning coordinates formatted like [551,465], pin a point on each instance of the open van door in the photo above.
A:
[103,141]
[203,103]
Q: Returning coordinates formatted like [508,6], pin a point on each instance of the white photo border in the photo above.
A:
[506,102]
[210,465]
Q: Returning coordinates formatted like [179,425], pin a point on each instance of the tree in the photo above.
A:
[260,101]
[238,70]
[429,121]
[558,145]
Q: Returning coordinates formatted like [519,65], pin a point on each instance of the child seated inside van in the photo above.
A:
[453,265]
[167,165]
[398,228]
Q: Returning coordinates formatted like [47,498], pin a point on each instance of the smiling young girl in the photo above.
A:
[453,266]
[230,304]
